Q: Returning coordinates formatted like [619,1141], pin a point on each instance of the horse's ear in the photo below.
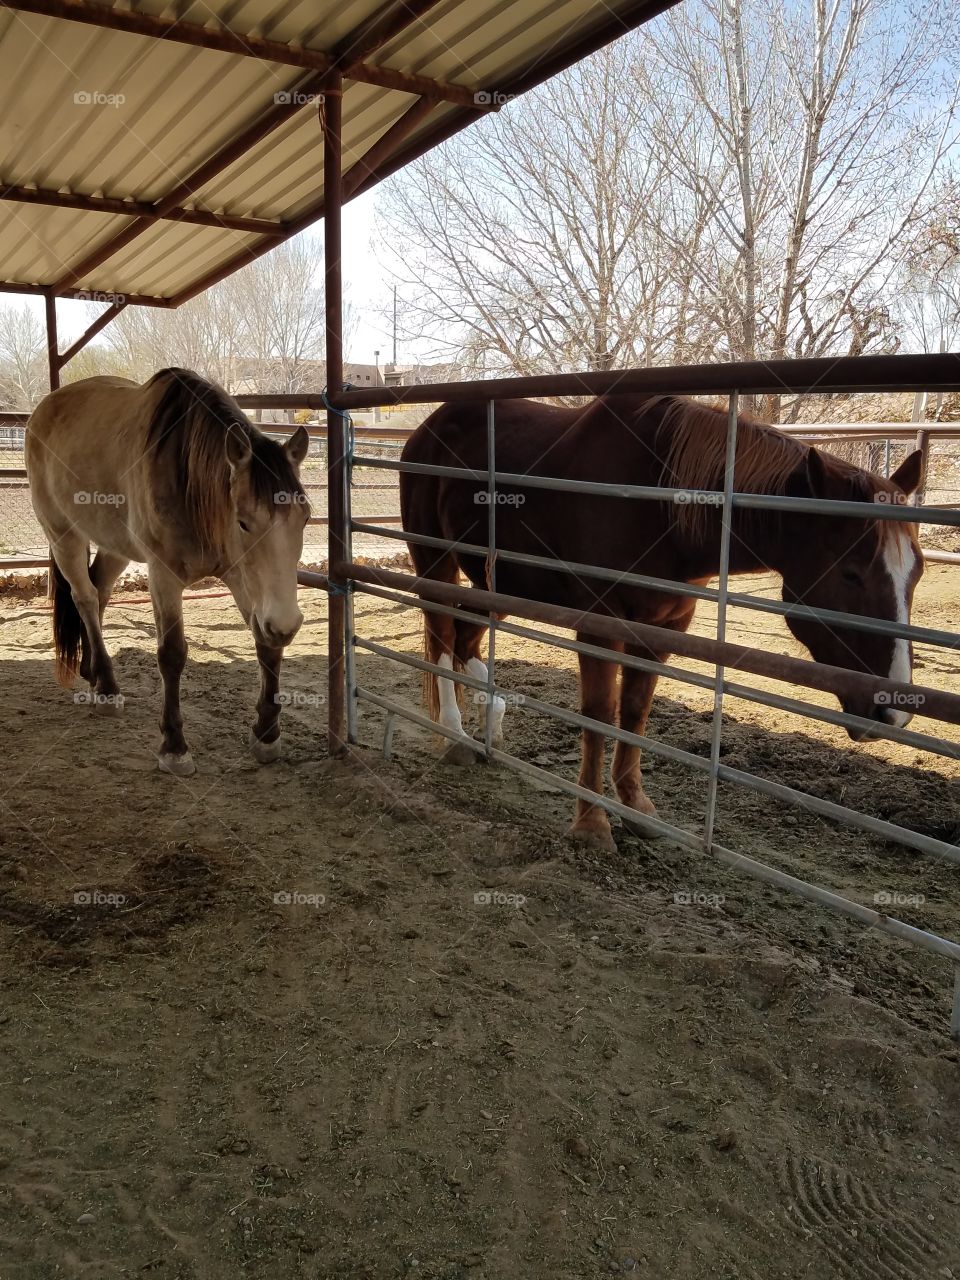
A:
[298,444]
[238,447]
[909,473]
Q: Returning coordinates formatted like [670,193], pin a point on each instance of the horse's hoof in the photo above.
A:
[180,766]
[643,808]
[459,753]
[265,752]
[107,704]
[641,832]
[594,838]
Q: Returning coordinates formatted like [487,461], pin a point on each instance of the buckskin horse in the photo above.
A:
[171,474]
[856,565]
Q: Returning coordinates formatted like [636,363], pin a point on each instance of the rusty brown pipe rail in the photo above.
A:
[811,675]
[931,372]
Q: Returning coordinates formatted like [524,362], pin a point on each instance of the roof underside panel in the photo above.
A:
[123,116]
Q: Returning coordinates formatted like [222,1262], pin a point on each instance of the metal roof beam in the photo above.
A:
[222,39]
[137,209]
[84,295]
[355,176]
[101,322]
[388,154]
[228,155]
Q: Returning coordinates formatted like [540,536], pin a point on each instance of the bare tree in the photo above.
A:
[281,307]
[523,245]
[203,334]
[23,361]
[262,328]
[930,283]
[741,180]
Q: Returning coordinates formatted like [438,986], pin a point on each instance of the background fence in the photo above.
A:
[879,447]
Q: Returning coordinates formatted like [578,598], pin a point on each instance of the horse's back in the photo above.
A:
[81,449]
[456,434]
[611,440]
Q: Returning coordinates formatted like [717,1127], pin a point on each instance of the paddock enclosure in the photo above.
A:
[361,1013]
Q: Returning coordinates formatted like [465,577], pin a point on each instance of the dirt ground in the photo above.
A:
[278,1034]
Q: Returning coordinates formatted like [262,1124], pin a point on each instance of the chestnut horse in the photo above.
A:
[170,474]
[850,564]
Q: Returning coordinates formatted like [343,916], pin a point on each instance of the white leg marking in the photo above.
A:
[449,711]
[478,669]
[899,559]
[179,766]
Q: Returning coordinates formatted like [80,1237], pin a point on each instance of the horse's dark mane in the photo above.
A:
[189,426]
[692,439]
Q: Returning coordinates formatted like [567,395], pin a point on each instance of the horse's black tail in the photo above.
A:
[67,628]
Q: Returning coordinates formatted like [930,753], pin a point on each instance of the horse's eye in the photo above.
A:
[244,526]
[852,576]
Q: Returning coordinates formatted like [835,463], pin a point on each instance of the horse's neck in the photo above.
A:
[755,547]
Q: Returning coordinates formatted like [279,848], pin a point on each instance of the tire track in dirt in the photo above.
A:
[863,1234]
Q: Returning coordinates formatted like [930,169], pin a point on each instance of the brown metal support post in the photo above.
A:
[53,374]
[53,350]
[337,538]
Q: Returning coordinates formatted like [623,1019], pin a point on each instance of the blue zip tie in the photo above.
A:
[343,413]
[351,429]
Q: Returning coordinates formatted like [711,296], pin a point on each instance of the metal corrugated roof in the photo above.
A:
[90,113]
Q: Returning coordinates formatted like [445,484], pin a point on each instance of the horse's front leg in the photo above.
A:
[636,697]
[166,592]
[598,701]
[265,736]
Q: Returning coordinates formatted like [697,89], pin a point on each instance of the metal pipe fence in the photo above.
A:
[348,577]
[483,606]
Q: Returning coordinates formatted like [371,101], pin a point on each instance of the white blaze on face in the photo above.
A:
[899,558]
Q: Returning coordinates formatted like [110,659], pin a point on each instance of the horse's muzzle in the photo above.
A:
[270,634]
[893,716]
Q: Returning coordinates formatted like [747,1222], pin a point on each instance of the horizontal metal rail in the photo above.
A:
[933,703]
[743,692]
[738,862]
[903,431]
[681,497]
[856,621]
[826,808]
[936,372]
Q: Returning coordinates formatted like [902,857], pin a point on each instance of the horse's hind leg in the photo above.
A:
[598,701]
[442,694]
[469,636]
[104,572]
[71,551]
[166,592]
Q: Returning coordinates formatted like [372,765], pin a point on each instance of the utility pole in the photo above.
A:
[394,327]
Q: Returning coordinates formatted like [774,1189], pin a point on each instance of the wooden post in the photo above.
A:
[337,538]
